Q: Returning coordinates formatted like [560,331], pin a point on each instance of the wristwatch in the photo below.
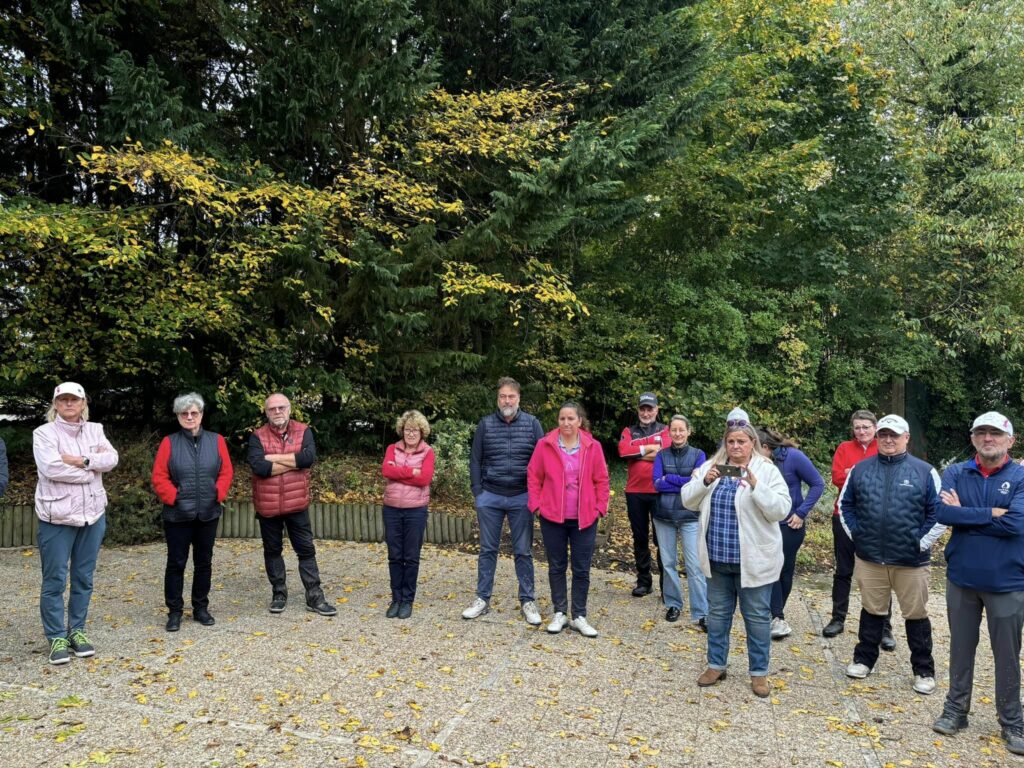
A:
[85,463]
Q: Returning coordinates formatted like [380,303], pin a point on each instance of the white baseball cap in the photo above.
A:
[69,388]
[894,423]
[738,414]
[993,419]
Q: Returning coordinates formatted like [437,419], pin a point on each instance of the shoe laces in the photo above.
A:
[78,637]
[59,644]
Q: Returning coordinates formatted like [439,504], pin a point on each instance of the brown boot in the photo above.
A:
[710,677]
[759,685]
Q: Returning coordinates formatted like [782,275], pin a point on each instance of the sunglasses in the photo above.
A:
[737,423]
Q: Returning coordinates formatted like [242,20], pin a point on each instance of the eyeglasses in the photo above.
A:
[737,423]
[190,414]
[411,430]
[273,408]
[863,429]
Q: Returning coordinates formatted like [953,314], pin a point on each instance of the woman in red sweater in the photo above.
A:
[408,469]
[567,483]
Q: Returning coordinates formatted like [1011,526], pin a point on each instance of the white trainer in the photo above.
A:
[924,684]
[860,671]
[780,629]
[558,622]
[580,625]
[478,608]
[531,613]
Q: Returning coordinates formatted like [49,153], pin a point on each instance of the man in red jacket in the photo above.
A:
[280,454]
[863,445]
[639,445]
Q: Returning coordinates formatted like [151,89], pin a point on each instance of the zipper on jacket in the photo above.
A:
[888,468]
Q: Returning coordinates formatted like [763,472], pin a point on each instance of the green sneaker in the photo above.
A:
[59,650]
[80,644]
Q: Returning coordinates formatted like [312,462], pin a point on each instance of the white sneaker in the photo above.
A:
[860,671]
[531,613]
[558,622]
[780,628]
[925,685]
[580,625]
[478,608]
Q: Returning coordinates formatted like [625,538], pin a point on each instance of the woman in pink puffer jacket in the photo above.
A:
[71,454]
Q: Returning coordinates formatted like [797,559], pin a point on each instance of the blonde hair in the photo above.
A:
[417,419]
[51,412]
[721,455]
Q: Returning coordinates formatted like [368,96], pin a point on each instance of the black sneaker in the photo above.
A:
[833,628]
[80,644]
[59,650]
[392,611]
[672,614]
[203,616]
[1013,735]
[173,622]
[277,603]
[702,624]
[320,605]
[405,610]
[640,590]
[888,641]
[950,722]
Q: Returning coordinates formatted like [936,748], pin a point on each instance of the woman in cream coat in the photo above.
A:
[741,497]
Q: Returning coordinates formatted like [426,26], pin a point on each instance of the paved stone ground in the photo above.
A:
[360,690]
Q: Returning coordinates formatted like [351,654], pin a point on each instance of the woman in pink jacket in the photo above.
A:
[567,481]
[71,454]
[408,469]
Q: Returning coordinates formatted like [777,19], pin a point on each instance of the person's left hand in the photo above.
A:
[795,522]
[950,498]
[74,461]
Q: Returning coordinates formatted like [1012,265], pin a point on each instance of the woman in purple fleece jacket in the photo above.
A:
[797,470]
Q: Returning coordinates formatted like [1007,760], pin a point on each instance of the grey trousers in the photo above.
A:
[1004,613]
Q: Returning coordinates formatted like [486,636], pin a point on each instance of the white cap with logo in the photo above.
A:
[894,423]
[69,388]
[993,419]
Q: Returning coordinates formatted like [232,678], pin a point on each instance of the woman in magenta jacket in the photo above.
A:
[408,469]
[567,481]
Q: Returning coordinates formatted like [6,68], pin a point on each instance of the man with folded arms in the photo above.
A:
[984,503]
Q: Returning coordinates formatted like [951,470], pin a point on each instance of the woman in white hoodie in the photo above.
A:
[741,497]
[71,454]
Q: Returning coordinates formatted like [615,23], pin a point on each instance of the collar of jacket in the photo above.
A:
[188,433]
[586,439]
[651,429]
[899,457]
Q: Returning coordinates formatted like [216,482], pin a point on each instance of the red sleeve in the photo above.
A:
[227,472]
[426,471]
[626,447]
[165,489]
[392,472]
[839,468]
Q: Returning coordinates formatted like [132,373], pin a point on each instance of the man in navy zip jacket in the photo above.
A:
[984,502]
[887,507]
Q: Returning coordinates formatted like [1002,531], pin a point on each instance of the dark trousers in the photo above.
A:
[404,530]
[919,638]
[640,509]
[842,547]
[563,541]
[792,540]
[199,536]
[300,533]
[1004,613]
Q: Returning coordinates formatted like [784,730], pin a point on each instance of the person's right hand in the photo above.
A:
[998,512]
[950,498]
[712,475]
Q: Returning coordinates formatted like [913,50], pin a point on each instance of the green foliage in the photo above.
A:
[451,440]
[133,511]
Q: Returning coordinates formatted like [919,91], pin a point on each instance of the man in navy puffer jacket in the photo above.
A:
[887,507]
[985,557]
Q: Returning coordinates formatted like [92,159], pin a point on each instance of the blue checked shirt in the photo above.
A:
[723,527]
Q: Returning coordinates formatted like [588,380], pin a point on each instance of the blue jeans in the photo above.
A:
[60,545]
[404,530]
[755,605]
[791,542]
[562,541]
[491,510]
[668,534]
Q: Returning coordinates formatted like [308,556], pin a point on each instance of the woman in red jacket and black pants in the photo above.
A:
[567,482]
[408,469]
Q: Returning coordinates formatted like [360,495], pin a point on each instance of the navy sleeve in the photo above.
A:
[4,474]
[807,473]
[257,457]
[475,457]
[307,453]
[538,430]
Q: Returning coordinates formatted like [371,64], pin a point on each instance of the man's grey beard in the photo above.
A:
[509,411]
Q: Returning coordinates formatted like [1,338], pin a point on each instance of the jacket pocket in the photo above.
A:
[54,505]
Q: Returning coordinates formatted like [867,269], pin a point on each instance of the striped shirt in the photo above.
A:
[723,527]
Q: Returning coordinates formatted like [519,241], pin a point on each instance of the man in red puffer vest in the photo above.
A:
[280,454]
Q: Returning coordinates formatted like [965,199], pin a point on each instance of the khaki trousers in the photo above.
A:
[878,582]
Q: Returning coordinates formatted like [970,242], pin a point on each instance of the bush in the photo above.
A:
[133,511]
[451,440]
